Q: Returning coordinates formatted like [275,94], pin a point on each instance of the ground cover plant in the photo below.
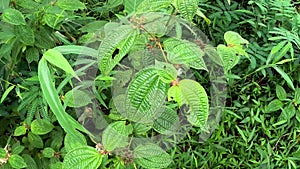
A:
[149,84]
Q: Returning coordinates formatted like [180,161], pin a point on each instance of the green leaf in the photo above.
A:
[274,105]
[77,98]
[4,4]
[85,157]
[120,39]
[7,91]
[72,141]
[175,94]
[35,140]
[48,152]
[41,126]
[187,8]
[169,74]
[132,6]
[54,16]
[29,161]
[233,38]
[25,34]
[285,77]
[21,130]
[151,156]
[70,5]
[153,5]
[183,52]
[57,59]
[43,38]
[228,56]
[2,153]
[114,3]
[280,92]
[51,96]
[166,121]
[17,161]
[79,50]
[145,95]
[32,54]
[17,149]
[282,52]
[13,16]
[116,135]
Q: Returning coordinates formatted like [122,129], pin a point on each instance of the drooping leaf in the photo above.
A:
[41,126]
[153,5]
[51,96]
[183,52]
[151,156]
[285,77]
[13,16]
[116,135]
[187,8]
[57,59]
[120,39]
[17,161]
[70,5]
[84,157]
[25,34]
[145,95]
[7,91]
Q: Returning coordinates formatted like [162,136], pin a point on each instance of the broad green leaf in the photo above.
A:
[285,77]
[17,149]
[233,38]
[228,56]
[54,16]
[77,98]
[35,140]
[41,126]
[116,135]
[153,5]
[51,96]
[175,94]
[57,59]
[157,23]
[48,152]
[274,105]
[297,96]
[70,5]
[84,157]
[151,156]
[280,92]
[30,5]
[57,165]
[21,130]
[132,5]
[119,39]
[74,140]
[183,52]
[196,97]
[79,50]
[187,8]
[93,27]
[145,95]
[25,34]
[169,74]
[17,161]
[43,38]
[13,16]
[7,91]
[114,3]
[166,121]
[32,54]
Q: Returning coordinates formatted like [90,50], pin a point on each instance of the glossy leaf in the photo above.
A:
[85,157]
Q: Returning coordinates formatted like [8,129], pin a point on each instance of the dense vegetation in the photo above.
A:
[94,84]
